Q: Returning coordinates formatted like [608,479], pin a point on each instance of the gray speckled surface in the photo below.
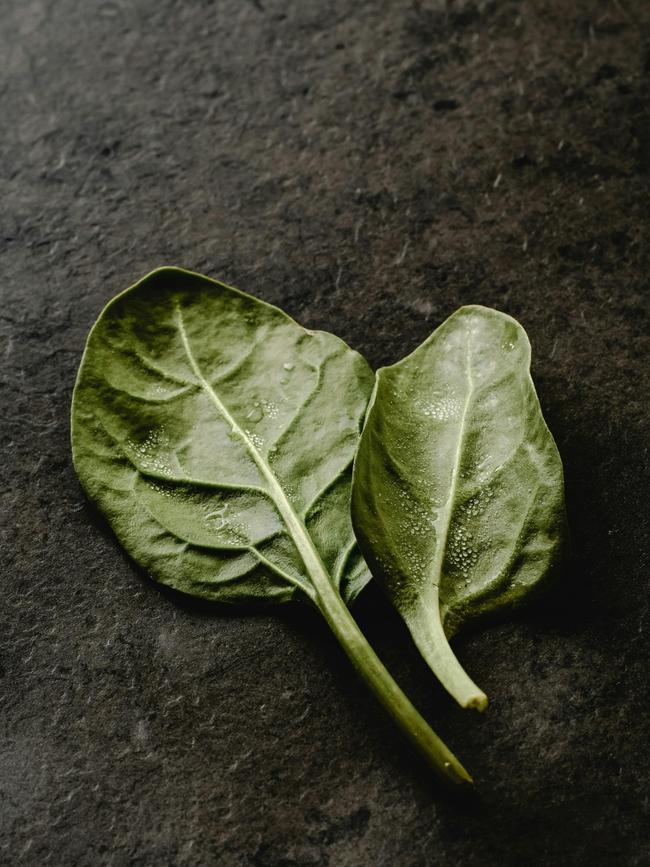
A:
[368,166]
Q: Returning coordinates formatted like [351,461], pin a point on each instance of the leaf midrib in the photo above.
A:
[444,516]
[316,571]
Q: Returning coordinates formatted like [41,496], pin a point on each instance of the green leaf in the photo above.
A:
[217,437]
[458,493]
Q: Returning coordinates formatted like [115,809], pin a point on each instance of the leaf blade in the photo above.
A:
[454,451]
[151,400]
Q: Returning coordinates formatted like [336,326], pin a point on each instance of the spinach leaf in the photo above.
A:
[458,494]
[217,437]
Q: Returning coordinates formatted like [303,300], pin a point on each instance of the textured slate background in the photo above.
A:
[369,166]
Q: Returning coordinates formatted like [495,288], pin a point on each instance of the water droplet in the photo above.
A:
[270,409]
[256,440]
[289,491]
[255,413]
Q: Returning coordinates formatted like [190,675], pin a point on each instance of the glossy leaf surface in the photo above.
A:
[458,497]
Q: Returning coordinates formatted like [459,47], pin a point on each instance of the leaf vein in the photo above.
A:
[305,403]
[330,484]
[303,543]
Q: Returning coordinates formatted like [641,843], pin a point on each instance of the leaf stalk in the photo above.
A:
[425,625]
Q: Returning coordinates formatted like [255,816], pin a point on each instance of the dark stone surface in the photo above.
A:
[369,166]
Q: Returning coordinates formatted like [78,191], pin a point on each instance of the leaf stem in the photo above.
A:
[369,666]
[425,626]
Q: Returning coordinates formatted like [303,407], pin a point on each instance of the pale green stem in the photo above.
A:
[425,626]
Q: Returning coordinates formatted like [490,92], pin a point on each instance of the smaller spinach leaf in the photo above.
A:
[458,495]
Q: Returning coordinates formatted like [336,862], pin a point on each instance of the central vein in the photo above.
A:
[428,631]
[444,516]
[310,557]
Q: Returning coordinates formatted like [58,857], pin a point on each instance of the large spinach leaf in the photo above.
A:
[217,436]
[458,497]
